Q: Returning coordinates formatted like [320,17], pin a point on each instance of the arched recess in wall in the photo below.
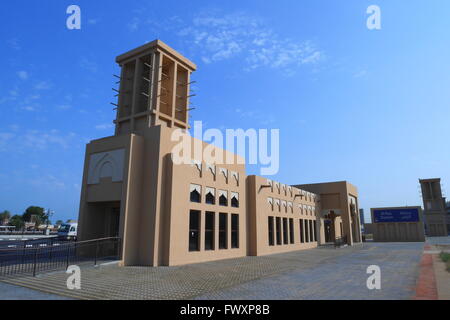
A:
[105,167]
[106,164]
[106,170]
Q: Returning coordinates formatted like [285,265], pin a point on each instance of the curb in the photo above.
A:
[426,288]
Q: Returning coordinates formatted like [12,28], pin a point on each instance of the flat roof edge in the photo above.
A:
[158,44]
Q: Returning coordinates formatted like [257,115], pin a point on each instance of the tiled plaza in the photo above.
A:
[323,273]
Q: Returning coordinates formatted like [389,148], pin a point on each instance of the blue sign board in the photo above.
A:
[396,215]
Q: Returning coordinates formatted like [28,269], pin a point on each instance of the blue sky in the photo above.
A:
[370,107]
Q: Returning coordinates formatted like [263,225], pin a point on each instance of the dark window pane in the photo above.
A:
[210,199]
[234,231]
[315,231]
[223,201]
[278,226]
[302,234]
[223,231]
[194,229]
[306,231]
[234,202]
[291,230]
[285,231]
[209,230]
[271,240]
[195,196]
[311,231]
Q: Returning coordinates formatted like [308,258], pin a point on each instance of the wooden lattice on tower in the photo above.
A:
[154,89]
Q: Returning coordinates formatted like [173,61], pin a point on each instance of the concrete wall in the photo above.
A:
[178,206]
[398,231]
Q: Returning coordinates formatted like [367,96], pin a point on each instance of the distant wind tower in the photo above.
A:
[434,207]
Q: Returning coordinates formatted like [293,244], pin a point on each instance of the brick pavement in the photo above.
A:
[322,273]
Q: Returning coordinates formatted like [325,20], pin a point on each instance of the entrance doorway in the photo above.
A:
[328,231]
[101,220]
[114,222]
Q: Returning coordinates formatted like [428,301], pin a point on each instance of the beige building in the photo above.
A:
[339,211]
[168,213]
[436,216]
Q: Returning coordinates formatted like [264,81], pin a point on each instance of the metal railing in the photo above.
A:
[18,233]
[28,243]
[57,256]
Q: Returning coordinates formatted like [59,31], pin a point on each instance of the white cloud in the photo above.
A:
[23,75]
[42,85]
[14,127]
[14,44]
[47,181]
[42,140]
[29,108]
[134,24]
[5,137]
[37,140]
[360,74]
[254,115]
[283,54]
[104,126]
[221,37]
[88,65]
[214,36]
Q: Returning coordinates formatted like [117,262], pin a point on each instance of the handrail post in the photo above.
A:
[35,261]
[23,251]
[119,248]
[68,256]
[51,250]
[96,252]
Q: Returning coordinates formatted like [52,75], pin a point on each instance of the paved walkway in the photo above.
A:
[434,279]
[11,292]
[343,277]
[323,273]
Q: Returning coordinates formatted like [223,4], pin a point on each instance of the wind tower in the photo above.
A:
[434,207]
[153,89]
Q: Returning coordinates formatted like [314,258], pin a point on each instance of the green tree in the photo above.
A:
[5,215]
[17,221]
[34,214]
[59,222]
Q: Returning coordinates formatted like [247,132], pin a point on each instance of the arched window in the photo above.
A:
[223,201]
[210,197]
[195,193]
[235,200]
[195,196]
[223,198]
